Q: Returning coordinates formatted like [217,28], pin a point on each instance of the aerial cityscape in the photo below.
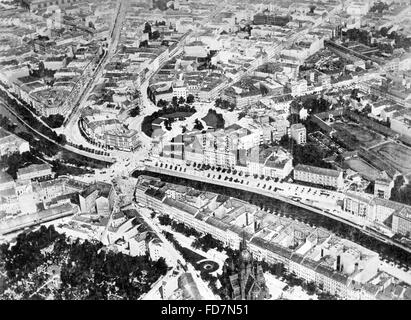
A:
[205,150]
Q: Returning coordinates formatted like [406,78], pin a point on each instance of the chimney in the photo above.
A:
[322,252]
[338,263]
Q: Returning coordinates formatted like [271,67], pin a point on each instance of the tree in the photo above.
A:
[181,100]
[61,139]
[143,44]
[190,99]
[147,28]
[367,109]
[162,103]
[312,8]
[155,35]
[164,220]
[198,125]
[311,288]
[174,101]
[384,31]
[217,102]
[135,111]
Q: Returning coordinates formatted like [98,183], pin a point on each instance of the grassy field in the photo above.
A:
[399,156]
[366,137]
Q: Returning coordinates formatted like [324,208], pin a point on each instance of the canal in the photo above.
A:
[281,208]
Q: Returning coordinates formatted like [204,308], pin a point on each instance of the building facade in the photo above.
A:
[298,133]
[320,176]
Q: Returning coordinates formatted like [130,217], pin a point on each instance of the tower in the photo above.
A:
[244,277]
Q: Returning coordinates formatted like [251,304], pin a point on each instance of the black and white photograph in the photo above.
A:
[221,151]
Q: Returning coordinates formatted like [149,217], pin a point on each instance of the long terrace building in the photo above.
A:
[43,4]
[320,176]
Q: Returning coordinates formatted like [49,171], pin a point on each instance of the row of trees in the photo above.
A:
[62,169]
[207,242]
[365,36]
[6,124]
[54,120]
[175,102]
[178,227]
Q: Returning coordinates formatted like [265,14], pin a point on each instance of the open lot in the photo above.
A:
[366,137]
[363,168]
[397,155]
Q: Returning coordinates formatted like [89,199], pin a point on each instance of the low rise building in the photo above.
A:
[383,186]
[35,172]
[400,122]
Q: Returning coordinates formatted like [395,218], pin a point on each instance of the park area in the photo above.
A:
[362,136]
[45,264]
[397,155]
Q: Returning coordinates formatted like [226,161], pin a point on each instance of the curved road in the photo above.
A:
[67,147]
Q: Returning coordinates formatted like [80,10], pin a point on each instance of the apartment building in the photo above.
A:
[43,4]
[98,199]
[107,129]
[357,205]
[122,139]
[299,133]
[320,176]
[401,221]
[340,266]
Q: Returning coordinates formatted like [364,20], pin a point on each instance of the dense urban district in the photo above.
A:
[191,149]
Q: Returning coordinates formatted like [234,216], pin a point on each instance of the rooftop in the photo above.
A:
[317,170]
